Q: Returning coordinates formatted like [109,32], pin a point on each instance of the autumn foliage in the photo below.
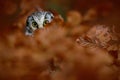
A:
[75,49]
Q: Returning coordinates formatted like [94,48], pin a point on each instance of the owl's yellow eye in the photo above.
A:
[45,22]
[34,24]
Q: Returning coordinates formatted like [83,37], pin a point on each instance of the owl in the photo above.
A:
[37,20]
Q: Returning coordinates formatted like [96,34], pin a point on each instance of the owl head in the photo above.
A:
[37,20]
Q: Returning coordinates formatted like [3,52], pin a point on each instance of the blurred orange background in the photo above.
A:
[53,54]
[107,10]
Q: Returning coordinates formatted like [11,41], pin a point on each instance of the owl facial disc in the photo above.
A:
[37,20]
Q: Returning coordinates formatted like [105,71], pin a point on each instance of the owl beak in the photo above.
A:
[28,31]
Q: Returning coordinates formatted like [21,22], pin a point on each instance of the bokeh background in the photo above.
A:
[107,11]
[57,53]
